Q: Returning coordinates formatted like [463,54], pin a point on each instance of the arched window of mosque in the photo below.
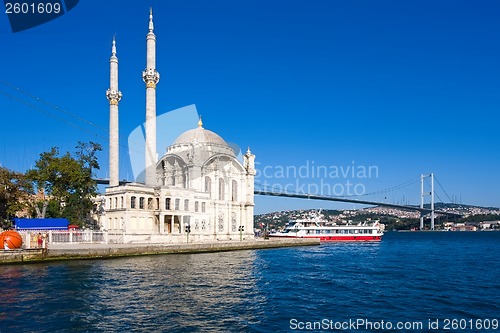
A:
[150,203]
[186,205]
[196,206]
[203,225]
[132,202]
[234,222]
[121,202]
[221,189]
[203,207]
[116,203]
[110,203]
[141,203]
[177,204]
[234,192]
[208,184]
[167,203]
[221,221]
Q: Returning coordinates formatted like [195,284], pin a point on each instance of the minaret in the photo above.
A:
[114,96]
[151,78]
[249,164]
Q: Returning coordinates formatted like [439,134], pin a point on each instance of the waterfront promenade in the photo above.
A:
[68,251]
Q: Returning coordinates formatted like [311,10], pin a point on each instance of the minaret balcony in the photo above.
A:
[114,96]
[151,77]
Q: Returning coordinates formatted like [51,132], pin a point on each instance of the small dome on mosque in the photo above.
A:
[199,135]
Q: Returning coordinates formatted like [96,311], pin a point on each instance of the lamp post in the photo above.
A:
[241,229]
[188,231]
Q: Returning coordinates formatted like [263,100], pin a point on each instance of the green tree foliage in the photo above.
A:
[475,219]
[15,191]
[66,182]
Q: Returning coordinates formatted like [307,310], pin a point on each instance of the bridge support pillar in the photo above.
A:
[432,201]
[422,195]
[421,201]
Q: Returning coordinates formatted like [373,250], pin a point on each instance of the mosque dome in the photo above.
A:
[199,135]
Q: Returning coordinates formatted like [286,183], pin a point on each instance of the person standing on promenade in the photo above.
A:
[40,240]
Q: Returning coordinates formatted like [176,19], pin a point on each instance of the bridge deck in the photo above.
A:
[423,211]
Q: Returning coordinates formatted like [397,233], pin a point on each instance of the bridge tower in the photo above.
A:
[424,194]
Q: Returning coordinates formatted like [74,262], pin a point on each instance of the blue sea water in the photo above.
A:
[407,278]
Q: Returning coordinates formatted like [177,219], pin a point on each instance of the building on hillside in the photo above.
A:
[489,225]
[463,227]
[198,186]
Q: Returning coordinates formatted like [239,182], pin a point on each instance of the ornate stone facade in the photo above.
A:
[200,184]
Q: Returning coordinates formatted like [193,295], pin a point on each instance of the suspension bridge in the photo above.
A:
[423,209]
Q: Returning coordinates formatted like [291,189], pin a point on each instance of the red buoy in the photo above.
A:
[12,239]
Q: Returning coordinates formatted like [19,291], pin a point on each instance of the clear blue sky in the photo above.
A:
[410,87]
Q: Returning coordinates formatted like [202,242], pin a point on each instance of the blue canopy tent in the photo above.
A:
[41,224]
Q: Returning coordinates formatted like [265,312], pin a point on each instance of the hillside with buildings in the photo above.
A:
[473,217]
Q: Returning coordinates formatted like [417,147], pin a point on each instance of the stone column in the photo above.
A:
[161,222]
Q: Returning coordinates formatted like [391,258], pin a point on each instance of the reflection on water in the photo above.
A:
[406,277]
[174,292]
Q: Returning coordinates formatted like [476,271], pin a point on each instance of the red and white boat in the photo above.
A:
[368,231]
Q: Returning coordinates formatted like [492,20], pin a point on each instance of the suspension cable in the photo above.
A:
[443,189]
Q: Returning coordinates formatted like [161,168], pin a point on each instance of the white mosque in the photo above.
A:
[198,186]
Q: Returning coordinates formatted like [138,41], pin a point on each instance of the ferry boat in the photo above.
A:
[368,231]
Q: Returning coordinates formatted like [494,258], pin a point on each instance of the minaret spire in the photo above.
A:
[151,27]
[114,96]
[151,78]
[113,47]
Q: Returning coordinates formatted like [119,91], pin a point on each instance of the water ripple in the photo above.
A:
[412,276]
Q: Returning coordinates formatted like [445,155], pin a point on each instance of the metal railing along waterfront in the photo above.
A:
[87,236]
[30,237]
